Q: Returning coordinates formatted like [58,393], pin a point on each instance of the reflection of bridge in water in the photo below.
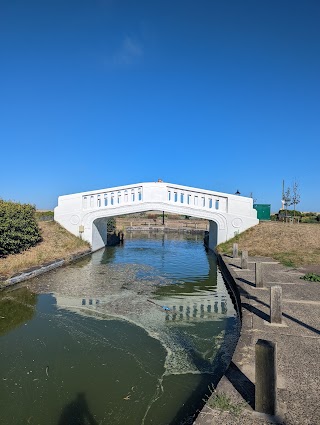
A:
[209,309]
[209,306]
[202,296]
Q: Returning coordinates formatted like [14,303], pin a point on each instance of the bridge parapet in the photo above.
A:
[155,192]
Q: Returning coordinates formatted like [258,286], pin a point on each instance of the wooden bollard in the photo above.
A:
[258,275]
[244,259]
[276,304]
[235,250]
[266,377]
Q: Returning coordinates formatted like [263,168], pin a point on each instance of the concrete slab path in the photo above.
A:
[298,347]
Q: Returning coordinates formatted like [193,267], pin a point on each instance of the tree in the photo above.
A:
[111,225]
[287,199]
[295,196]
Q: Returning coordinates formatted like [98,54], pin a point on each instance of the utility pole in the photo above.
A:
[282,201]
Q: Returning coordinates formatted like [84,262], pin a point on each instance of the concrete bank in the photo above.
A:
[298,347]
[44,268]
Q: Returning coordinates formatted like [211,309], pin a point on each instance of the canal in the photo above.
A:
[132,334]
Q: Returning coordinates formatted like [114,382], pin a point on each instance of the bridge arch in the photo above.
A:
[86,214]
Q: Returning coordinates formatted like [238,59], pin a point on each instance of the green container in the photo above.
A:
[263,211]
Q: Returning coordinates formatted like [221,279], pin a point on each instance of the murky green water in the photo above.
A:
[131,335]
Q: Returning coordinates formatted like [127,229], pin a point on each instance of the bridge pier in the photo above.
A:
[99,233]
[213,234]
[216,235]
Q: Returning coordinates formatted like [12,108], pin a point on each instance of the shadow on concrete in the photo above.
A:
[247,282]
[241,383]
[236,266]
[77,413]
[256,311]
[287,316]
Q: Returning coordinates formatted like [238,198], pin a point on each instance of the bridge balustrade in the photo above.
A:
[112,198]
[196,199]
[175,196]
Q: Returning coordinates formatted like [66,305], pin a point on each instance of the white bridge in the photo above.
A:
[86,214]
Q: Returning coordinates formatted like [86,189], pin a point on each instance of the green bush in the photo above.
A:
[291,213]
[18,227]
[44,215]
[111,225]
[309,219]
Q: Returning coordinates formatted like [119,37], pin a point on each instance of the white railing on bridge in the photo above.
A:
[171,194]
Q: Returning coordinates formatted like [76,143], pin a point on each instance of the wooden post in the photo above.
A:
[244,259]
[235,250]
[266,377]
[275,304]
[258,275]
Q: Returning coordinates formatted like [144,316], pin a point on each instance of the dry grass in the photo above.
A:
[291,244]
[57,244]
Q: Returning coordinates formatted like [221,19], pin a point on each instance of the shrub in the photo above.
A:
[18,227]
[290,212]
[44,215]
[111,225]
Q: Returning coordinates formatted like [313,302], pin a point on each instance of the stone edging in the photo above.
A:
[36,271]
[240,297]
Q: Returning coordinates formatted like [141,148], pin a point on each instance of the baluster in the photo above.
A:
[84,202]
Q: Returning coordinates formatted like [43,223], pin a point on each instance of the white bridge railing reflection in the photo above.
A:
[195,311]
[189,308]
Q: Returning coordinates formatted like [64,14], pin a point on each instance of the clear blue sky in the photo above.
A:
[221,95]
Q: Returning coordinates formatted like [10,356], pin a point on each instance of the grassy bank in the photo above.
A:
[291,244]
[56,244]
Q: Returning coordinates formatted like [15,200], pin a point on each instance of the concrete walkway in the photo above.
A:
[298,347]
